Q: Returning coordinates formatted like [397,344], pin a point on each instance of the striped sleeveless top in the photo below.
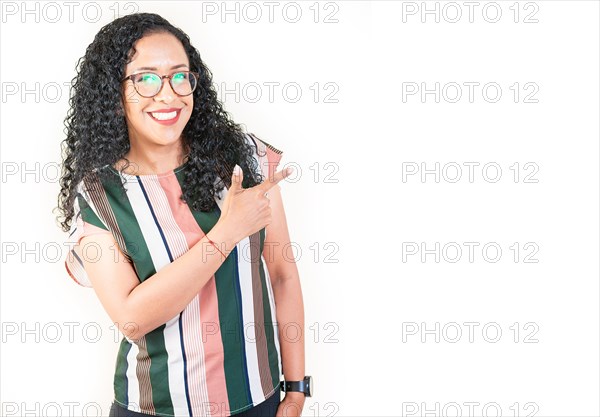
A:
[219,356]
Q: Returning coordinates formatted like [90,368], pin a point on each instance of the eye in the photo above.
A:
[179,77]
[147,78]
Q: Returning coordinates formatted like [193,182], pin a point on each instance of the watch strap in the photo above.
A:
[297,386]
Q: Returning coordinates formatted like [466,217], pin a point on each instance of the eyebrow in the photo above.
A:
[154,69]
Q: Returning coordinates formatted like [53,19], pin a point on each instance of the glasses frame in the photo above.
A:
[162,82]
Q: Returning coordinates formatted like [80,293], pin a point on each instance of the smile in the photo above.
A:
[165,117]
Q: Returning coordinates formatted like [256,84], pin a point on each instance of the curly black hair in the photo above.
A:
[96,130]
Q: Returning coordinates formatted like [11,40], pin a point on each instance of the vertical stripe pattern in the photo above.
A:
[221,354]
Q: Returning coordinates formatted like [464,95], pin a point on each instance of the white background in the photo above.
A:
[372,317]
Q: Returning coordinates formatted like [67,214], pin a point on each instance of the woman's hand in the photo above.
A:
[246,210]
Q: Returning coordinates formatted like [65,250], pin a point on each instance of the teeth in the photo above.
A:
[164,116]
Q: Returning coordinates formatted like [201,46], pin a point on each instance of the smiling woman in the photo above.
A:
[156,121]
[172,195]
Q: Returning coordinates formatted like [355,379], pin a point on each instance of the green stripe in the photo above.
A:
[120,378]
[230,311]
[159,371]
[206,220]
[269,325]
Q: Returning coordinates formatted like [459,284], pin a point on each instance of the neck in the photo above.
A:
[155,160]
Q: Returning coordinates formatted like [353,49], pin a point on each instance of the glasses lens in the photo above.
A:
[147,84]
[183,83]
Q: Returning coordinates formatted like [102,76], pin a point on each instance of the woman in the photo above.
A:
[172,238]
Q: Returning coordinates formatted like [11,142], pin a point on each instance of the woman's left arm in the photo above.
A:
[285,281]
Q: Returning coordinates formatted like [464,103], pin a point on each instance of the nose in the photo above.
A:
[166,93]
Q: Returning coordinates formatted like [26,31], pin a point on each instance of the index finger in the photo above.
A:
[274,179]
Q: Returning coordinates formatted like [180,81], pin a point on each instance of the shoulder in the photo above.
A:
[90,201]
[267,155]
[92,215]
[262,144]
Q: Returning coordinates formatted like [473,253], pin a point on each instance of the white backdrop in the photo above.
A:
[445,216]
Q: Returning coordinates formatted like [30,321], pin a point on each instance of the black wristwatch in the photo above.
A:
[305,386]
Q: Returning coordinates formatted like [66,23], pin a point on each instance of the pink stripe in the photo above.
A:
[201,317]
[195,356]
[161,206]
[175,209]
[181,212]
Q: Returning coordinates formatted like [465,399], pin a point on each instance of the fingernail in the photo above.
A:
[236,169]
[289,170]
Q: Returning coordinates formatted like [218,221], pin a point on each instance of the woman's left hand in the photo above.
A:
[291,405]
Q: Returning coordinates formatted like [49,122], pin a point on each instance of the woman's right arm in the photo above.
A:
[138,308]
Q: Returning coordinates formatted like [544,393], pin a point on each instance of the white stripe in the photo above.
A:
[133,384]
[160,258]
[249,329]
[175,367]
[145,219]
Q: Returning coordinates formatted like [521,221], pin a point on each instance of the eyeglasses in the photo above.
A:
[148,84]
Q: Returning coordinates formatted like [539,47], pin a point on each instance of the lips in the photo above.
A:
[165,116]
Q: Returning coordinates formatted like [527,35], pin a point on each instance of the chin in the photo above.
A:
[170,140]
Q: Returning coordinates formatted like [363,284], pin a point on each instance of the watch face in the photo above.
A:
[309,381]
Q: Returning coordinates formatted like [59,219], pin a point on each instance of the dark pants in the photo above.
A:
[267,408]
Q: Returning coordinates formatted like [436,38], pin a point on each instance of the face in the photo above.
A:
[163,54]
